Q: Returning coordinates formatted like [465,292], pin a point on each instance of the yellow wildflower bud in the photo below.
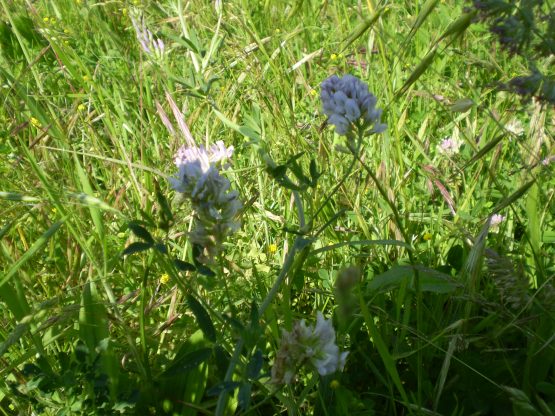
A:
[333,57]
[272,248]
[427,237]
[165,278]
[35,122]
[81,107]
[334,384]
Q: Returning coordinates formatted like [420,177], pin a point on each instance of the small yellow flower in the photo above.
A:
[86,78]
[66,31]
[124,11]
[78,1]
[272,248]
[54,210]
[427,236]
[333,57]
[313,93]
[165,278]
[45,19]
[35,122]
[277,30]
[66,42]
[334,384]
[81,107]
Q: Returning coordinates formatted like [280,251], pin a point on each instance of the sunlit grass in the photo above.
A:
[442,312]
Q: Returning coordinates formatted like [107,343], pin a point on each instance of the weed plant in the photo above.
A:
[186,229]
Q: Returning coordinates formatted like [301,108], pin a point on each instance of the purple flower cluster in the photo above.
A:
[347,102]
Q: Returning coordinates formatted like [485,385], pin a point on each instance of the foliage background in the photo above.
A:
[86,330]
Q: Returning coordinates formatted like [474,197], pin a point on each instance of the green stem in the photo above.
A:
[301,244]
[412,260]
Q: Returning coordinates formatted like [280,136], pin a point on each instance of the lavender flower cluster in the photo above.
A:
[199,180]
[348,103]
[150,45]
[214,204]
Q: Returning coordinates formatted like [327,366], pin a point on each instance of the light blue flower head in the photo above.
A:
[348,103]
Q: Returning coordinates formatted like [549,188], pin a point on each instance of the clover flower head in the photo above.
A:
[496,219]
[199,180]
[314,346]
[449,146]
[347,102]
[215,205]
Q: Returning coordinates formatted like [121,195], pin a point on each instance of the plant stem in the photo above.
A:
[412,260]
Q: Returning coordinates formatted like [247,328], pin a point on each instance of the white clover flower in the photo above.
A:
[347,103]
[308,345]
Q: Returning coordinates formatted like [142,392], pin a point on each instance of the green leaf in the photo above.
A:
[225,386]
[136,247]
[166,215]
[255,365]
[188,362]
[462,105]
[244,396]
[205,271]
[14,337]
[140,231]
[458,27]
[203,318]
[430,280]
[184,266]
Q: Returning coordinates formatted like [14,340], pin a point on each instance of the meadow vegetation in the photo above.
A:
[187,229]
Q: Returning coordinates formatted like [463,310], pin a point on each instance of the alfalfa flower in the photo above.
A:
[349,104]
[313,346]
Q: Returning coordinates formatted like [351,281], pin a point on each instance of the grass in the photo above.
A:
[444,314]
